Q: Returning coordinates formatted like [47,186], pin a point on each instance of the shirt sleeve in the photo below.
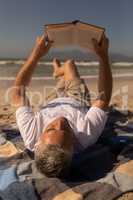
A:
[95,122]
[29,124]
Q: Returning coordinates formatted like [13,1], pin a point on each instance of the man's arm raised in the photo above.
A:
[105,75]
[25,74]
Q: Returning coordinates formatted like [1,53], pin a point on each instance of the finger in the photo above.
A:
[48,43]
[105,42]
[46,38]
[42,38]
[95,43]
[48,46]
[37,39]
[45,34]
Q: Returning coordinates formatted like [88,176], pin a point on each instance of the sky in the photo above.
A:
[21,21]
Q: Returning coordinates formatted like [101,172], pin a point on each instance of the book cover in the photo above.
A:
[75,33]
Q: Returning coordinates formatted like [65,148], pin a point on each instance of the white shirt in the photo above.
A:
[87,124]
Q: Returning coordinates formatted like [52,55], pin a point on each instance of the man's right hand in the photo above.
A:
[41,47]
[24,76]
[101,49]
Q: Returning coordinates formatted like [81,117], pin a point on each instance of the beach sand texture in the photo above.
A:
[122,96]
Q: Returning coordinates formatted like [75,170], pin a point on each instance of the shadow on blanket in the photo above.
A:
[114,147]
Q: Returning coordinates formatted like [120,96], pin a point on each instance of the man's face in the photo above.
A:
[58,132]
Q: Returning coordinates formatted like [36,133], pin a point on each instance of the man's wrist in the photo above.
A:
[34,57]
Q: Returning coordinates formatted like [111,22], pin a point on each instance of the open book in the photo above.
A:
[74,33]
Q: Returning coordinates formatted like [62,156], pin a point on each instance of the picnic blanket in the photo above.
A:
[97,173]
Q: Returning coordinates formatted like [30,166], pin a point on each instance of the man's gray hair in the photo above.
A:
[53,160]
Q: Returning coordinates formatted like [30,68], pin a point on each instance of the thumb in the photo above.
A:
[48,45]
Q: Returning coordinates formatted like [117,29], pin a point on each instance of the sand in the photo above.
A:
[122,96]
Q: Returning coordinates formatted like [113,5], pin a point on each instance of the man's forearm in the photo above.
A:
[24,76]
[105,78]
[22,80]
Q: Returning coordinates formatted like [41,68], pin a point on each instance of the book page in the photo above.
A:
[85,34]
[79,34]
[61,35]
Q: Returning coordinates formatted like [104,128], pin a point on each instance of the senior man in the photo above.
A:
[68,124]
